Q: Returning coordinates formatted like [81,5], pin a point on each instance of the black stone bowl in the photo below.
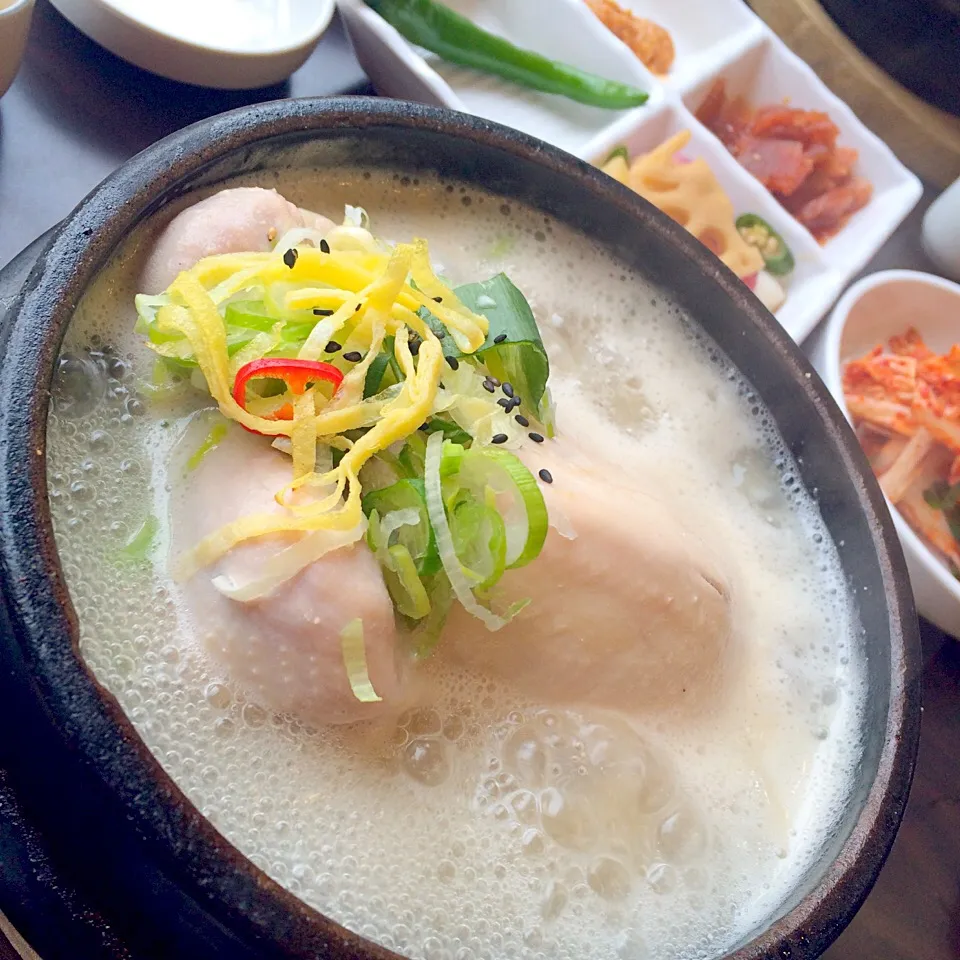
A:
[101,855]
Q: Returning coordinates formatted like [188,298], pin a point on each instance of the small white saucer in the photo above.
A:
[227,44]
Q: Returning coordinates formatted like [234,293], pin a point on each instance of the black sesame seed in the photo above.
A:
[332,347]
[522,420]
[454,362]
[546,476]
[536,437]
[514,403]
[508,389]
[499,338]
[324,246]
[290,257]
[438,299]
[353,356]
[357,307]
[415,346]
[493,380]
[505,403]
[423,427]
[499,438]
[320,312]
[488,386]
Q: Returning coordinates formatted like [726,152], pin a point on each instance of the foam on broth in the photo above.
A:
[484,824]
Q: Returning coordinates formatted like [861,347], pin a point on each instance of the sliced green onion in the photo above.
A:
[356,217]
[417,536]
[409,596]
[480,538]
[426,634]
[355,661]
[378,472]
[250,314]
[445,546]
[147,308]
[411,457]
[519,499]
[396,520]
[450,431]
[397,566]
[138,546]
[244,320]
[548,414]
[213,440]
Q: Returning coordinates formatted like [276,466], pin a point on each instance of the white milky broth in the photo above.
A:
[482,824]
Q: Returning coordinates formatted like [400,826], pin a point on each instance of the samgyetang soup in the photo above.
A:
[452,573]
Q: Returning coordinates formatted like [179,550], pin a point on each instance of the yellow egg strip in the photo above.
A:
[197,318]
[373,295]
[469,329]
[303,436]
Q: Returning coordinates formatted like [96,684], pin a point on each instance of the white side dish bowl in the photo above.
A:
[869,313]
[15,16]
[722,38]
[226,44]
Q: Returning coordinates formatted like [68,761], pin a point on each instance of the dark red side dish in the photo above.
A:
[794,154]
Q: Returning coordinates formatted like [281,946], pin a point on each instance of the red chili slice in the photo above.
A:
[296,374]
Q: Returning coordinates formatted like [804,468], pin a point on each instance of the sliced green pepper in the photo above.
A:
[457,40]
[777,257]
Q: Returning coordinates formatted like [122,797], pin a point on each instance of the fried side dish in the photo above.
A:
[905,405]
[794,154]
[648,40]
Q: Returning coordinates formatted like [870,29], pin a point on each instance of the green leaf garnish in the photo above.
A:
[519,357]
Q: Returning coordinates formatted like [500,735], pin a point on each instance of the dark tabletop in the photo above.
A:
[76,112]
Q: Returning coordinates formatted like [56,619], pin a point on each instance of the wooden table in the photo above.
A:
[75,113]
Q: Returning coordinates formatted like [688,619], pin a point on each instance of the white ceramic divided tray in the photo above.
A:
[713,38]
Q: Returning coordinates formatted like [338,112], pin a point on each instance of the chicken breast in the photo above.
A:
[238,220]
[284,650]
[633,613]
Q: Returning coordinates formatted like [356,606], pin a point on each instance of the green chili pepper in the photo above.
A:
[777,257]
[456,39]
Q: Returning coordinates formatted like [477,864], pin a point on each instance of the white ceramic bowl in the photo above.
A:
[15,18]
[870,312]
[227,44]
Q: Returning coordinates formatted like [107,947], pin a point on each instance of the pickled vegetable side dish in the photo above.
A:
[905,402]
